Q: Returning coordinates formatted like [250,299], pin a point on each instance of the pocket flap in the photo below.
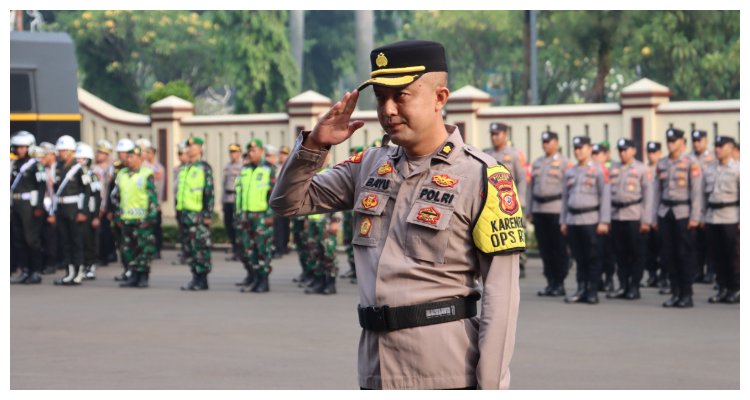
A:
[371,203]
[430,215]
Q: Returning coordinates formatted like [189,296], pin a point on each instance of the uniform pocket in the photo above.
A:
[368,211]
[427,234]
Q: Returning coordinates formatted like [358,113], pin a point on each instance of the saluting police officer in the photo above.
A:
[255,218]
[195,199]
[229,197]
[657,277]
[423,235]
[677,186]
[27,188]
[722,219]
[632,210]
[69,209]
[544,203]
[584,217]
[705,271]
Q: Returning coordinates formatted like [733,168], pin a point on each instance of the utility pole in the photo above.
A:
[364,25]
[534,69]
[297,40]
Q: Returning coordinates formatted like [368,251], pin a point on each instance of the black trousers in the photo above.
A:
[25,237]
[71,233]
[551,247]
[630,250]
[106,240]
[281,234]
[586,246]
[608,255]
[723,244]
[653,259]
[676,241]
[90,243]
[50,245]
[228,210]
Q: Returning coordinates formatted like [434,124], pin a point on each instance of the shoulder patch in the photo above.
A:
[356,159]
[499,229]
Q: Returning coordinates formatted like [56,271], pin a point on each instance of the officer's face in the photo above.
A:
[255,154]
[183,157]
[66,155]
[101,156]
[122,155]
[271,158]
[600,157]
[21,151]
[700,145]
[675,146]
[654,156]
[499,139]
[582,153]
[49,159]
[736,153]
[627,155]
[724,152]
[134,161]
[550,146]
[235,155]
[194,150]
[283,157]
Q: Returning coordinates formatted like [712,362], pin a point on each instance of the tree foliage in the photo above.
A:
[174,88]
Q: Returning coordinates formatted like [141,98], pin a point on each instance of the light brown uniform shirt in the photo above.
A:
[678,180]
[404,256]
[514,160]
[547,181]
[722,186]
[630,183]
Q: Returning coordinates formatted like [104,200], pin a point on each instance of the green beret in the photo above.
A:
[254,143]
[135,150]
[195,140]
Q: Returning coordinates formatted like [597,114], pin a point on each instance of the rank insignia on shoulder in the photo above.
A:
[364,226]
[384,169]
[370,201]
[446,150]
[356,159]
[444,181]
[429,215]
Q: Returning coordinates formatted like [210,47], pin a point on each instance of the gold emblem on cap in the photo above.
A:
[381,61]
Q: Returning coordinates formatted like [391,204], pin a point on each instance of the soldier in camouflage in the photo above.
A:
[137,213]
[322,230]
[122,148]
[195,200]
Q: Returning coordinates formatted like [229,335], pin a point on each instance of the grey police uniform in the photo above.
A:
[228,196]
[632,205]
[544,202]
[586,203]
[705,270]
[511,158]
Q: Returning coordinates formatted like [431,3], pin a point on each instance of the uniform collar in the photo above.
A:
[446,152]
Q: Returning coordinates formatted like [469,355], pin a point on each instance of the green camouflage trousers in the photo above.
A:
[299,235]
[138,246]
[321,246]
[255,240]
[197,245]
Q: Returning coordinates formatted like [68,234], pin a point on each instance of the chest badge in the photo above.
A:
[503,182]
[370,201]
[444,181]
[429,215]
[364,226]
[385,169]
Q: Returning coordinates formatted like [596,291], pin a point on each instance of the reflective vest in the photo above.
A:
[190,194]
[253,186]
[133,193]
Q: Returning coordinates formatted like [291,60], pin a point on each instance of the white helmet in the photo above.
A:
[104,145]
[144,144]
[23,138]
[48,147]
[124,145]
[36,151]
[84,151]
[65,142]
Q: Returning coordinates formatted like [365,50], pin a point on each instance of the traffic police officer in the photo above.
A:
[27,188]
[137,213]
[544,203]
[423,237]
[70,208]
[631,183]
[657,277]
[228,195]
[584,217]
[722,219]
[255,218]
[677,186]
[85,155]
[123,147]
[705,271]
[195,199]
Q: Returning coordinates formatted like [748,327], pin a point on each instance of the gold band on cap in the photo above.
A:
[404,70]
[393,82]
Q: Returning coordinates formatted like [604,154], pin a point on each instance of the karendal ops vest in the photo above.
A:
[190,195]
[253,186]
[134,202]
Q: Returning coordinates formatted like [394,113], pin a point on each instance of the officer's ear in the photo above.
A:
[441,93]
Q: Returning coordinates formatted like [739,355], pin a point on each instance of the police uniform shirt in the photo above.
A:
[722,186]
[678,180]
[514,161]
[586,187]
[628,184]
[547,181]
[32,184]
[705,159]
[231,171]
[412,245]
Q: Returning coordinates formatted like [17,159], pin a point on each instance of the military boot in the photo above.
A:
[132,280]
[142,279]
[672,300]
[579,295]
[319,283]
[733,297]
[608,285]
[633,293]
[685,301]
[67,279]
[592,296]
[90,272]
[558,289]
[80,274]
[124,276]
[249,279]
[546,291]
[193,282]
[330,286]
[22,277]
[261,284]
[202,283]
[719,297]
[652,280]
[34,278]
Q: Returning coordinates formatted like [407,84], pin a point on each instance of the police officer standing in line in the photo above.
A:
[69,209]
[423,236]
[632,184]
[148,153]
[27,187]
[123,147]
[704,269]
[584,217]
[50,238]
[85,156]
[600,154]
[255,218]
[514,160]
[182,157]
[544,203]
[228,196]
[195,199]
[722,221]
[678,190]
[101,167]
[281,224]
[657,277]
[137,206]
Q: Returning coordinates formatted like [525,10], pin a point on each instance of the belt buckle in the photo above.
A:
[374,318]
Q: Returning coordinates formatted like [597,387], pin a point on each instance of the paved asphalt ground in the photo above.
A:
[99,336]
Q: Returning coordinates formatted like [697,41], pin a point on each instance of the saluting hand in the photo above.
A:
[336,125]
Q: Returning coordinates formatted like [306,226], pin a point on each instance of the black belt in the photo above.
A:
[385,318]
[626,204]
[672,203]
[722,205]
[575,211]
[547,199]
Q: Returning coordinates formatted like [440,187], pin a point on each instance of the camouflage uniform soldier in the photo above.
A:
[138,212]
[181,232]
[299,236]
[195,199]
[85,155]
[122,148]
[255,218]
[322,244]
[28,183]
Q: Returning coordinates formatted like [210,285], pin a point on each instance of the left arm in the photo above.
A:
[208,193]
